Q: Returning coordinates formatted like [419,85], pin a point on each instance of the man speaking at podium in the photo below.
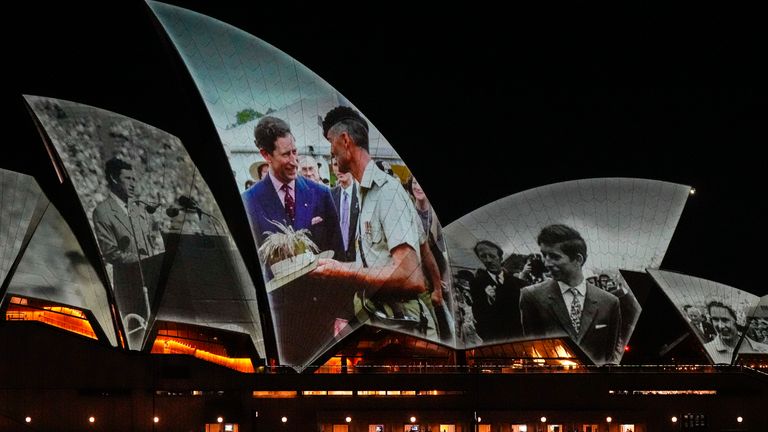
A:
[123,227]
[127,236]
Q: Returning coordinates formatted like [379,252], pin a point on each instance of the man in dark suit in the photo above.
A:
[495,296]
[284,196]
[568,305]
[704,330]
[347,206]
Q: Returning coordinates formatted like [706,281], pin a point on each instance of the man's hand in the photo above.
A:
[327,269]
[527,270]
[437,294]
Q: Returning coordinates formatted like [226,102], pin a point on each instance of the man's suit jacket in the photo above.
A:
[544,314]
[313,202]
[115,233]
[129,255]
[500,320]
[354,212]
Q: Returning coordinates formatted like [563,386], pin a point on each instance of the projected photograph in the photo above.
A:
[342,241]
[546,262]
[726,320]
[22,204]
[54,268]
[163,243]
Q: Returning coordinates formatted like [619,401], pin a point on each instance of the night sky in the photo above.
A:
[473,99]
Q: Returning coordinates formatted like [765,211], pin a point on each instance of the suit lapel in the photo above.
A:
[303,204]
[119,214]
[557,304]
[589,312]
[336,192]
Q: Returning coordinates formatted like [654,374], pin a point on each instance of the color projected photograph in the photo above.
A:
[342,241]
[22,204]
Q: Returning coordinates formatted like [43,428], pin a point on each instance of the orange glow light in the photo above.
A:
[65,318]
[168,345]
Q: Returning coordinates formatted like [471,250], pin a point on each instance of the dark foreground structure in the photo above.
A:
[59,380]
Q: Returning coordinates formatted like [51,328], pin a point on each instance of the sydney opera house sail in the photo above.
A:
[245,82]
[163,241]
[518,257]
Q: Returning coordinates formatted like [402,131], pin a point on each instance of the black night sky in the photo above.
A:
[474,99]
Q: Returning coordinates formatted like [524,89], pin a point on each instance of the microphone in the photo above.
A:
[185,203]
[188,203]
[150,208]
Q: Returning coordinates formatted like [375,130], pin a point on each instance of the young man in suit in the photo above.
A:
[127,236]
[284,196]
[568,305]
[346,199]
[124,229]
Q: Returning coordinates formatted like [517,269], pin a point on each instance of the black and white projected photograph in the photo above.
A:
[22,204]
[545,263]
[342,241]
[54,268]
[726,320]
[163,242]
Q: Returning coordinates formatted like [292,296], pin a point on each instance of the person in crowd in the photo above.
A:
[436,244]
[463,283]
[495,296]
[567,304]
[704,330]
[263,170]
[309,168]
[466,325]
[258,170]
[386,167]
[346,198]
[630,307]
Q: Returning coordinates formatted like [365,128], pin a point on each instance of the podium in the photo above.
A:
[207,282]
[304,312]
[134,304]
[199,279]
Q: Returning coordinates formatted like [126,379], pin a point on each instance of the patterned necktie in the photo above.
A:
[575,310]
[290,204]
[345,218]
